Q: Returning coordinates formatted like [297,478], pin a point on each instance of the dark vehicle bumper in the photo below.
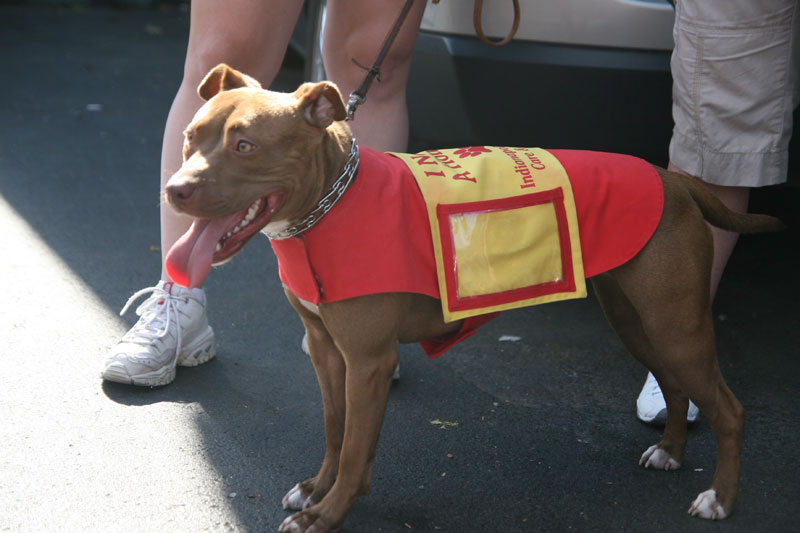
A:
[462,92]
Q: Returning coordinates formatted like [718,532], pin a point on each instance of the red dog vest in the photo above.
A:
[377,238]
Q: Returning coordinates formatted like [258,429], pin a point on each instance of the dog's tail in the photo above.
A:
[718,214]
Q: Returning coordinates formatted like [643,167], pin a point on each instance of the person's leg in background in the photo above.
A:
[251,36]
[735,70]
[736,199]
[382,122]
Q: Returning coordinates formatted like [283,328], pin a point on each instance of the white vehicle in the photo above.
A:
[586,74]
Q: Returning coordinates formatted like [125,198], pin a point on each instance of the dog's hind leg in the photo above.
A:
[667,284]
[623,318]
[688,364]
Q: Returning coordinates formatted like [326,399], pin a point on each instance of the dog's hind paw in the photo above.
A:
[655,457]
[707,506]
[296,499]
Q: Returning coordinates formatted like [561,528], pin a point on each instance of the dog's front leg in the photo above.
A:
[330,369]
[369,348]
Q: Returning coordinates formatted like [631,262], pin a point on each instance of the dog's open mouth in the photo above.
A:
[250,222]
[214,241]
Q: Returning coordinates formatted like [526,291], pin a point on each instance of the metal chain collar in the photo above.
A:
[327,202]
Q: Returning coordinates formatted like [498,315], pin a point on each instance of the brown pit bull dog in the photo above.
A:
[256,160]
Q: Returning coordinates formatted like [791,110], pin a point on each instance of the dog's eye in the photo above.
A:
[244,147]
[189,135]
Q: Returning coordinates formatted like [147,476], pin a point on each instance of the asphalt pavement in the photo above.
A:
[536,433]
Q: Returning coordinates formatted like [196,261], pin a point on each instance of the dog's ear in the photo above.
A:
[321,103]
[224,78]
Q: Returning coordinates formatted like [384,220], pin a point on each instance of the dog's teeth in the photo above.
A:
[254,206]
[249,216]
[218,248]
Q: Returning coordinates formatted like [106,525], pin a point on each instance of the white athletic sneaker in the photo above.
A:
[651,407]
[172,330]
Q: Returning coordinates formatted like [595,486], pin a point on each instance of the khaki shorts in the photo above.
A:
[735,67]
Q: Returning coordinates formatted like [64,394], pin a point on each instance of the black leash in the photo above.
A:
[359,96]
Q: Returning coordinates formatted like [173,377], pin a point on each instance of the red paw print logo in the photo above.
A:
[471,151]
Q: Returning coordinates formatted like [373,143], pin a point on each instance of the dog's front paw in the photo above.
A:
[304,522]
[655,457]
[297,499]
[707,506]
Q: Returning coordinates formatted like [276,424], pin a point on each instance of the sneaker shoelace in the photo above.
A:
[156,314]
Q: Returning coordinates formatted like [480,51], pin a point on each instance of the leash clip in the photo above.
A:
[352,104]
[359,96]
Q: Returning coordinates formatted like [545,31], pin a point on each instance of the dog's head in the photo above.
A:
[251,157]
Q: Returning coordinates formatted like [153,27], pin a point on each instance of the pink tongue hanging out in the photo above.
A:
[189,260]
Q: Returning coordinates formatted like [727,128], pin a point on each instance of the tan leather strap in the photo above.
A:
[477,16]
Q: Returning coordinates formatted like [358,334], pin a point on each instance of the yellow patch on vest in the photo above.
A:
[505,229]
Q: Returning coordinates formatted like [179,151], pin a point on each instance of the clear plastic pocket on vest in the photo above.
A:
[501,251]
